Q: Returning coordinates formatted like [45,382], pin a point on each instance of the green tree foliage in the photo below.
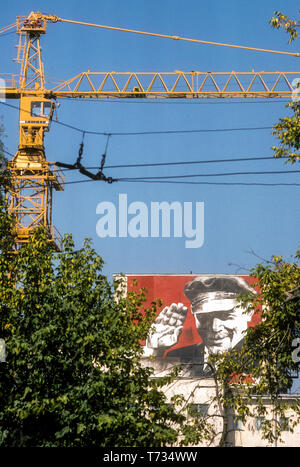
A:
[279,20]
[260,374]
[270,341]
[72,375]
[287,130]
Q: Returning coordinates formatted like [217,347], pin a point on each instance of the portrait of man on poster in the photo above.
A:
[219,320]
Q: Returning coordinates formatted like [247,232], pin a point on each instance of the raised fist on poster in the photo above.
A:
[165,331]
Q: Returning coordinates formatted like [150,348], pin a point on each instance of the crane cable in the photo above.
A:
[55,19]
[99,175]
[7,28]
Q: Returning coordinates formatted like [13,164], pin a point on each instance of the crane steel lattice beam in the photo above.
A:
[177,84]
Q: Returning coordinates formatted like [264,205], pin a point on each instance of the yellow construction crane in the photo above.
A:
[30,195]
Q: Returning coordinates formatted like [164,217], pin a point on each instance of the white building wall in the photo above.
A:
[248,434]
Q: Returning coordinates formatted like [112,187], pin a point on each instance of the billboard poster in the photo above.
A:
[200,316]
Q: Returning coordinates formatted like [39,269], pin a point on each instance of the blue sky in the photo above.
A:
[237,219]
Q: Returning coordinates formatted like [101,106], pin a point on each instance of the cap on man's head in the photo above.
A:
[215,293]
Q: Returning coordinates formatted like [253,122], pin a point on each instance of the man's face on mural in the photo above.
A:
[221,329]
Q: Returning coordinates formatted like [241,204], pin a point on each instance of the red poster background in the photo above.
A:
[169,288]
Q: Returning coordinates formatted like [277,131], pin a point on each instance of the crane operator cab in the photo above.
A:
[35,117]
[41,109]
